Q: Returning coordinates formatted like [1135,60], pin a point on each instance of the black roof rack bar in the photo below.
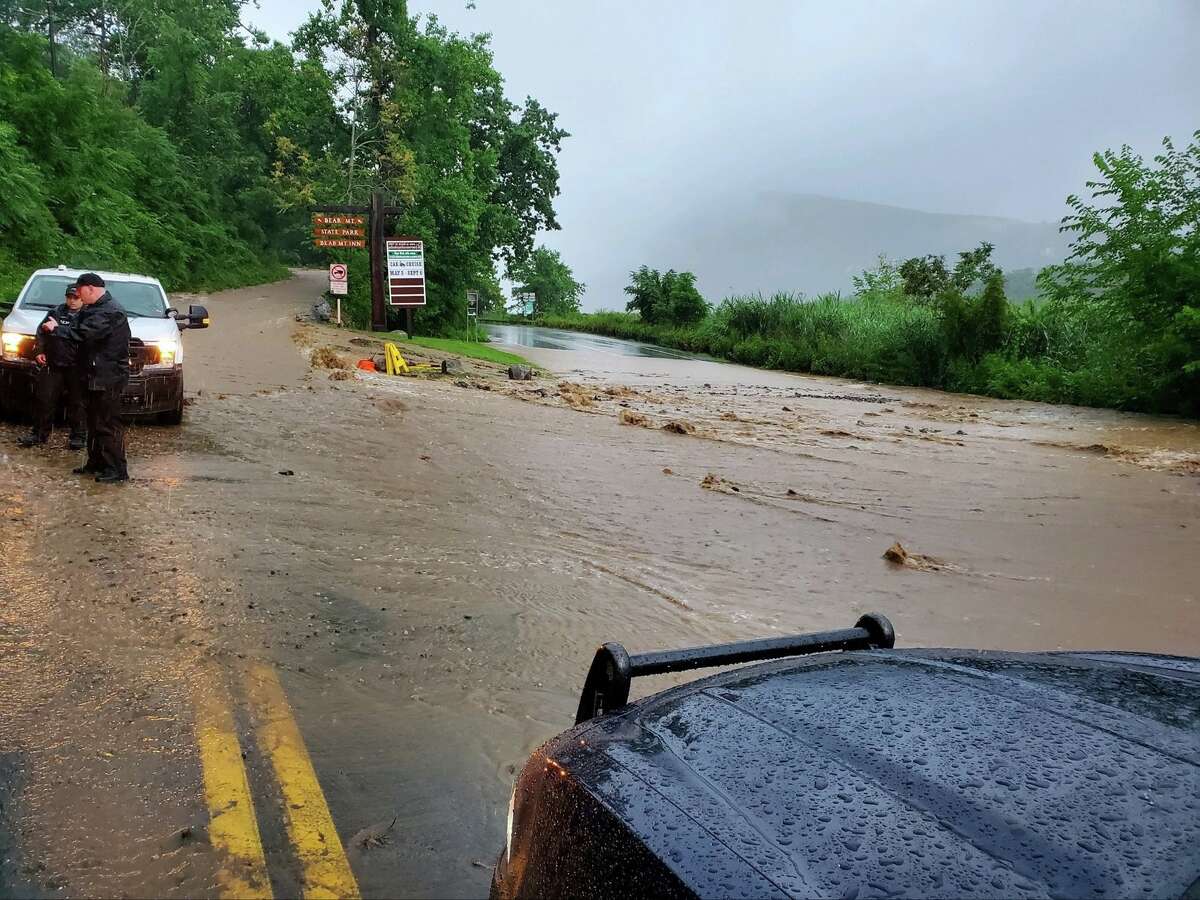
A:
[607,685]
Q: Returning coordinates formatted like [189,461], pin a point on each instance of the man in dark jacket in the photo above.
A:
[102,333]
[58,378]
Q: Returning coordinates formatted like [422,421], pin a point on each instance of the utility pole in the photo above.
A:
[378,263]
[50,34]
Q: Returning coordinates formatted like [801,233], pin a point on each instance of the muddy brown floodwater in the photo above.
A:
[433,572]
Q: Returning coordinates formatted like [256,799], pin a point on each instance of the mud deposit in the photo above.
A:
[429,563]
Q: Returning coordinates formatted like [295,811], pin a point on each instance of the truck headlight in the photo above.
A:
[167,350]
[512,802]
[14,344]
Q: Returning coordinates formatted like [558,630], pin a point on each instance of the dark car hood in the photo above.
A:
[914,773]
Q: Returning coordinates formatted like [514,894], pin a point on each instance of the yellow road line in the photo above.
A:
[310,826]
[233,828]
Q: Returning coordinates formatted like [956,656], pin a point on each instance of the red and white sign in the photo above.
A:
[338,279]
[406,271]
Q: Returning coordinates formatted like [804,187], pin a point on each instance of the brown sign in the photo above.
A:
[339,232]
[340,242]
[321,219]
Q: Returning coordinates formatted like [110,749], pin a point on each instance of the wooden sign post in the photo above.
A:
[356,227]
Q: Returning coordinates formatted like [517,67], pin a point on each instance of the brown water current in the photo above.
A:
[431,578]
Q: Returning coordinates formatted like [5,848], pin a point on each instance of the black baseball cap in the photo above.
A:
[90,279]
[72,291]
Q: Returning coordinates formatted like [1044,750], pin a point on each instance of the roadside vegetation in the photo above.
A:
[1116,325]
[167,137]
[470,349]
[551,281]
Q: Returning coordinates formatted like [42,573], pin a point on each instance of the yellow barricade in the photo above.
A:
[395,362]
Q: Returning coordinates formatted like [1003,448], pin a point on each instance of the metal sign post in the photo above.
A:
[338,285]
[472,311]
[524,303]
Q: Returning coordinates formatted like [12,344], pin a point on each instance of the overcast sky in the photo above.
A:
[965,106]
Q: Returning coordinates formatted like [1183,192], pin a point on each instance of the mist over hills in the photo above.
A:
[803,242]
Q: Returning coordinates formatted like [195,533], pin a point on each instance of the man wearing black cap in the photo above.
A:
[102,334]
[58,377]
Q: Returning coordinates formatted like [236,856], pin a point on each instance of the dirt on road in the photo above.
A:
[428,564]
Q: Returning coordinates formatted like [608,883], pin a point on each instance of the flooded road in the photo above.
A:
[527,336]
[426,565]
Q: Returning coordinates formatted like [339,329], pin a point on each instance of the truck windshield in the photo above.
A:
[138,299]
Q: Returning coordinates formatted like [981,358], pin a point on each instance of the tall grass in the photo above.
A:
[872,338]
[1049,352]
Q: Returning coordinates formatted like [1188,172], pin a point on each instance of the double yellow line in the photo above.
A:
[233,825]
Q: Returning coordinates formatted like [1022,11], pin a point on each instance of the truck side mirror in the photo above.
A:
[198,317]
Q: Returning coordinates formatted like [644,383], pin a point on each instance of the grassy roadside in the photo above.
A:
[1048,353]
[469,349]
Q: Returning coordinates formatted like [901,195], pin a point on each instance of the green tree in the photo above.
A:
[665,298]
[551,281]
[974,326]
[491,295]
[925,277]
[1021,284]
[1135,263]
[94,184]
[884,278]
[58,20]
[196,146]
[429,125]
[991,315]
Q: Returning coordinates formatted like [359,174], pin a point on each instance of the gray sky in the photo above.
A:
[678,110]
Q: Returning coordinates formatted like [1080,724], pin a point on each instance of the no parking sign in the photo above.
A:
[338,278]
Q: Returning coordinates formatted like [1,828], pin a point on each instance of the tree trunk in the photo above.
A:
[50,34]
[104,44]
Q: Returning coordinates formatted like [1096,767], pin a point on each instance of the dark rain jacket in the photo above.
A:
[61,352]
[102,334]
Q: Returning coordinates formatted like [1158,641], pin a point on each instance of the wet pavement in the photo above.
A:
[556,339]
[429,580]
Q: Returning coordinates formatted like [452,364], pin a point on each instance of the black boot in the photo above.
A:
[112,477]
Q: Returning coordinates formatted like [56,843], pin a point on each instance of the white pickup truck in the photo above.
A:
[155,349]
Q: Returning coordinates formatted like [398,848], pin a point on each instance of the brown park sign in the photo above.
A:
[340,242]
[322,219]
[341,230]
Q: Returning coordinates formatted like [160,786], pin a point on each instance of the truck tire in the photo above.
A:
[172,416]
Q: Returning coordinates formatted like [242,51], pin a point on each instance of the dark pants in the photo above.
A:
[106,432]
[58,385]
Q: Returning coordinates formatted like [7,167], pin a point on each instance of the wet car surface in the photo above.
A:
[877,773]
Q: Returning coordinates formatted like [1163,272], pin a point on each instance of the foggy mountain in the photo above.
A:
[806,243]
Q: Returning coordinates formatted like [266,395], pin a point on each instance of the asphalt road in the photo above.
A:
[305,650]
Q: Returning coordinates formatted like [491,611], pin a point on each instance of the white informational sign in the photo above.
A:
[472,304]
[338,279]
[406,272]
